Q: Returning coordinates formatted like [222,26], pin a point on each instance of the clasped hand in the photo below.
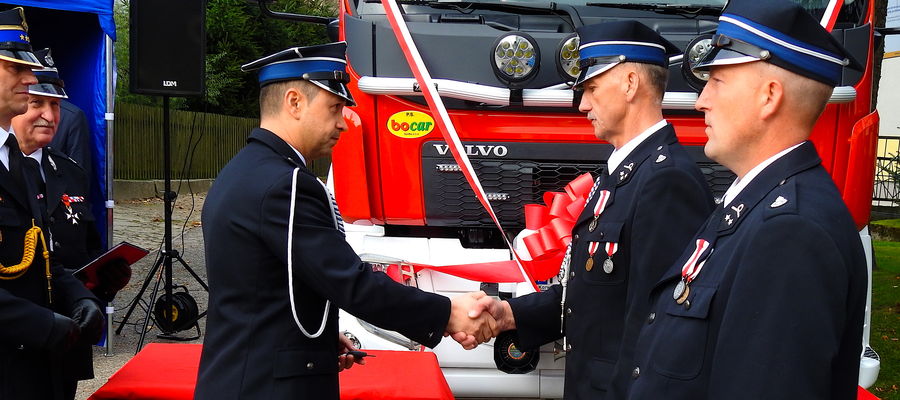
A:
[477,318]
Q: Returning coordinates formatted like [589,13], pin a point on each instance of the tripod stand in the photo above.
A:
[171,303]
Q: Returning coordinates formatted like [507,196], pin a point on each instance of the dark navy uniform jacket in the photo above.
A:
[32,369]
[253,347]
[777,310]
[75,238]
[659,200]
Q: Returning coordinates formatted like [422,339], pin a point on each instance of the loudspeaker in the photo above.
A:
[167,47]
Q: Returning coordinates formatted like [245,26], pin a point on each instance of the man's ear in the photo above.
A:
[772,97]
[293,102]
[630,82]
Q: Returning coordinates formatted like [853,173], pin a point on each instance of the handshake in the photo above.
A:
[475,318]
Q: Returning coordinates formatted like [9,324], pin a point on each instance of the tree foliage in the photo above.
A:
[236,33]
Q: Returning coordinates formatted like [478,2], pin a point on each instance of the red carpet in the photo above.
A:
[389,375]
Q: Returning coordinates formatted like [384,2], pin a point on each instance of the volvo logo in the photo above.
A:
[482,150]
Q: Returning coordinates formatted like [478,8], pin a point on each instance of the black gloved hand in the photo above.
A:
[63,334]
[114,275]
[87,314]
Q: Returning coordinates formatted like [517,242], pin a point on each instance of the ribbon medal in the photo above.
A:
[67,201]
[689,271]
[611,248]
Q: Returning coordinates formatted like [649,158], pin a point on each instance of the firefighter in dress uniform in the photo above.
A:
[639,216]
[75,240]
[44,310]
[277,261]
[767,301]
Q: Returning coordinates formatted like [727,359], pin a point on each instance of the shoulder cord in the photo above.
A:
[28,252]
[290,245]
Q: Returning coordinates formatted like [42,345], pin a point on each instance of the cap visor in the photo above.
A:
[337,88]
[722,56]
[47,89]
[20,57]
[593,71]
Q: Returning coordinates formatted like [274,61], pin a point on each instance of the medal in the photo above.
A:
[684,295]
[689,271]
[679,290]
[593,224]
[608,266]
[589,264]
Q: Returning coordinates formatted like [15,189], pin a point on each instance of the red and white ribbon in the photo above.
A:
[436,105]
[601,203]
[691,268]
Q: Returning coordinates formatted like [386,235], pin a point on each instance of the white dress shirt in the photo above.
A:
[739,184]
[620,154]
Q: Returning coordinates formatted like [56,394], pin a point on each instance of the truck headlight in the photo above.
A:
[515,58]
[567,60]
[696,49]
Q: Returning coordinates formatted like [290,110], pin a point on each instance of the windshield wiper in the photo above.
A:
[681,9]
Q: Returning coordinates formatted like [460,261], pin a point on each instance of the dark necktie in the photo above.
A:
[32,172]
[15,160]
[24,174]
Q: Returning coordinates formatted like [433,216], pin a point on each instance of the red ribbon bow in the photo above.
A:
[553,226]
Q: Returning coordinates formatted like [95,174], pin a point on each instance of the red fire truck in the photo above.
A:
[405,197]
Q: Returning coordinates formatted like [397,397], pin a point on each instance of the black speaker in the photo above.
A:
[167,47]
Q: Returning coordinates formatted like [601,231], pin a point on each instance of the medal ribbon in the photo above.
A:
[694,264]
[598,209]
[611,248]
[601,203]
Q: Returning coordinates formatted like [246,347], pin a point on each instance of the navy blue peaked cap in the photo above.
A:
[603,46]
[323,65]
[49,83]
[15,44]
[782,33]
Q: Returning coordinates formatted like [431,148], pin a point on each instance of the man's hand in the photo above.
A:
[346,361]
[87,314]
[499,310]
[469,332]
[64,333]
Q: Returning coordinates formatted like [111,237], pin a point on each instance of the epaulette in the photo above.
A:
[781,200]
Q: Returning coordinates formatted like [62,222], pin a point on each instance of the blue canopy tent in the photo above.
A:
[81,33]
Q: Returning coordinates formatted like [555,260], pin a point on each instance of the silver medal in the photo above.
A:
[679,290]
[593,224]
[608,266]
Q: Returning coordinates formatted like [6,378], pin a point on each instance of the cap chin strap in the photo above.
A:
[290,246]
[740,46]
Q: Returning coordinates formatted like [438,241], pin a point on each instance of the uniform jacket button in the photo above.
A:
[636,372]
[687,304]
[651,318]
[575,237]
[569,346]
[310,365]
[568,311]
[430,335]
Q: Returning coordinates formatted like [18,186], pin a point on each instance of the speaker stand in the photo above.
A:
[167,254]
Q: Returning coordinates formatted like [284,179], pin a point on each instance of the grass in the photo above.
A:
[891,223]
[885,337]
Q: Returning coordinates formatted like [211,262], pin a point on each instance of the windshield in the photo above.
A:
[852,11]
